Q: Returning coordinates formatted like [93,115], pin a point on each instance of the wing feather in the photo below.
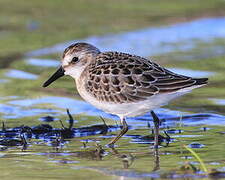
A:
[122,78]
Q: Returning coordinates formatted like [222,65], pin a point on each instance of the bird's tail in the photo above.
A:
[201,81]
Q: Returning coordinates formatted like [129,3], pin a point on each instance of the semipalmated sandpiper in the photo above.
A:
[121,84]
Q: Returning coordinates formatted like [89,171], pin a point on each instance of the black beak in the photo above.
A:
[59,73]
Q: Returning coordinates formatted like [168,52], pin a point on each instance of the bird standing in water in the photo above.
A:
[119,83]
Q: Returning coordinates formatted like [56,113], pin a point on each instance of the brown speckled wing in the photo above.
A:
[123,78]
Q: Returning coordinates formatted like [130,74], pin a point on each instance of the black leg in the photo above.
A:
[156,143]
[122,132]
[156,129]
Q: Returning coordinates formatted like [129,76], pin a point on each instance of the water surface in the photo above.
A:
[153,41]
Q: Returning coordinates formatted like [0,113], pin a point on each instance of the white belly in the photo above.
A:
[132,109]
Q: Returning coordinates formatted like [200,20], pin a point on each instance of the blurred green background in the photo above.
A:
[27,25]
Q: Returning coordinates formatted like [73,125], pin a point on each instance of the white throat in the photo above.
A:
[74,72]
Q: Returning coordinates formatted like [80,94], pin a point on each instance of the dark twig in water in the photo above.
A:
[156,160]
[43,131]
[71,120]
[103,120]
[3,126]
[167,138]
[62,124]
[85,143]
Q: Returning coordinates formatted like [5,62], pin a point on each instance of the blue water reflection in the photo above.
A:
[170,118]
[13,73]
[153,41]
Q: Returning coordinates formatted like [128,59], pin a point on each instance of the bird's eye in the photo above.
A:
[74,60]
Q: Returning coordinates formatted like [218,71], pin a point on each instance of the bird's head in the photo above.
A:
[75,58]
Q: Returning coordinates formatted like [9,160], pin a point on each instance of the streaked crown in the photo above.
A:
[78,49]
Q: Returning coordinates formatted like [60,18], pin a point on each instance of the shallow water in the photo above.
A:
[54,150]
[43,62]
[219,101]
[153,41]
[192,73]
[18,107]
[13,73]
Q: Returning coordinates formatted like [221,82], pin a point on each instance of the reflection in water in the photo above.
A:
[18,108]
[43,62]
[218,101]
[13,73]
[196,145]
[93,154]
[126,159]
[186,136]
[152,41]
[64,161]
[47,119]
[174,131]
[4,80]
[16,112]
[192,73]
[156,164]
[149,139]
